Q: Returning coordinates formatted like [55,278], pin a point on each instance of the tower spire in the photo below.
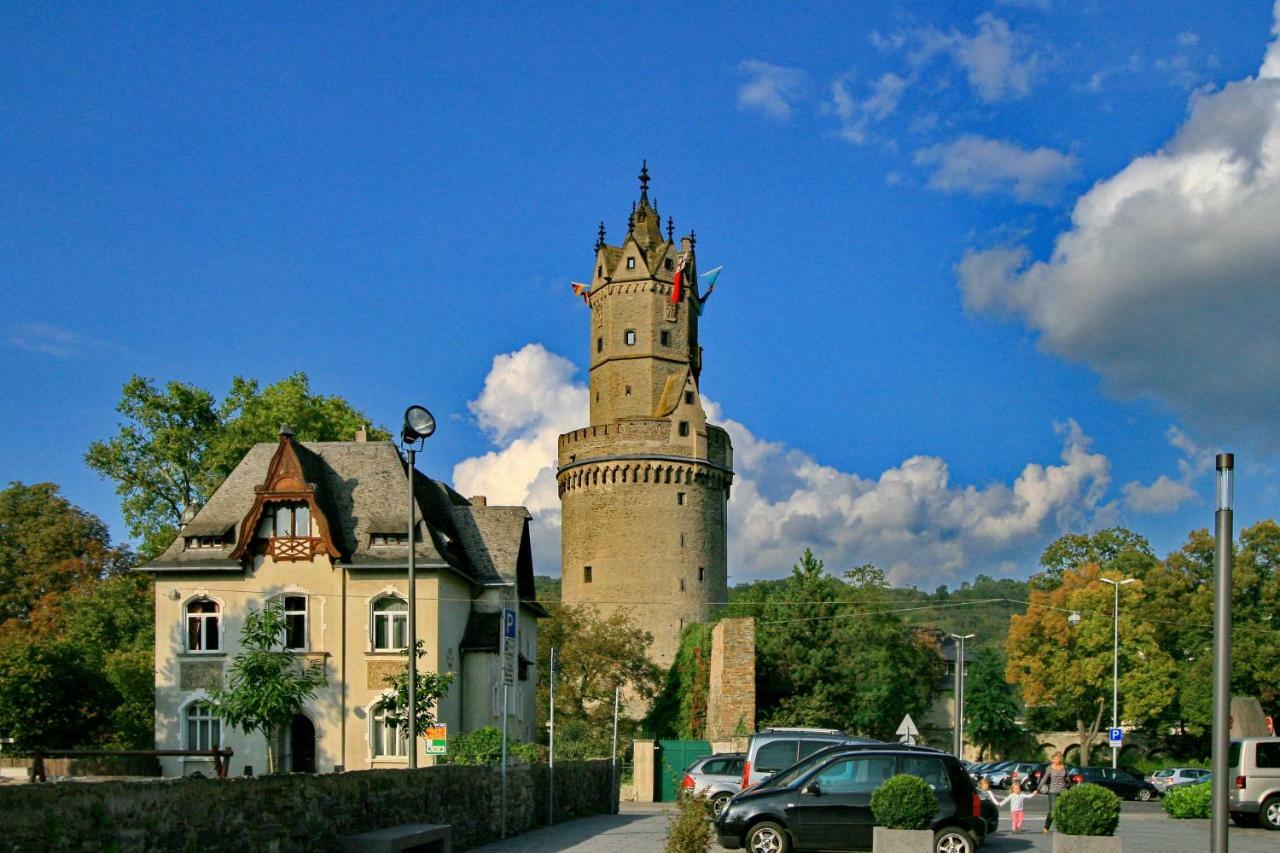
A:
[671,230]
[644,181]
[600,236]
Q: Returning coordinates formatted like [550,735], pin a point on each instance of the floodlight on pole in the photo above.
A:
[418,425]
[1115,660]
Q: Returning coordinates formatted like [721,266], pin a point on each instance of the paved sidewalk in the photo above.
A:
[642,828]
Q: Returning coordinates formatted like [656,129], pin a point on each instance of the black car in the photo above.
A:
[1125,785]
[824,802]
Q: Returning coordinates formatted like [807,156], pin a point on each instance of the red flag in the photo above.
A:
[678,279]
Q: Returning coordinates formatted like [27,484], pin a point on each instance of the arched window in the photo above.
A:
[204,731]
[204,621]
[386,738]
[295,619]
[390,624]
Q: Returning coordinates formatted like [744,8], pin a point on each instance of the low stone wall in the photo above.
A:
[293,813]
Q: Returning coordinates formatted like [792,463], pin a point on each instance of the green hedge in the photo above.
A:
[1087,810]
[484,746]
[904,802]
[1189,801]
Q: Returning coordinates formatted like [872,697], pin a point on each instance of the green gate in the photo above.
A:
[673,757]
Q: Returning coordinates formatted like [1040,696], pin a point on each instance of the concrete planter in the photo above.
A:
[1086,843]
[902,840]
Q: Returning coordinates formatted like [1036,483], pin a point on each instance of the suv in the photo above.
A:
[718,777]
[1255,792]
[772,750]
[826,804]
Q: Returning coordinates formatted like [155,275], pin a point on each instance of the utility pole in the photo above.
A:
[958,744]
[551,744]
[1226,464]
[1115,662]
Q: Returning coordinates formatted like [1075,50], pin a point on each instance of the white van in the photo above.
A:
[1255,781]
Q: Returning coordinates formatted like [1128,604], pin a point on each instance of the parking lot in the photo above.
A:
[642,828]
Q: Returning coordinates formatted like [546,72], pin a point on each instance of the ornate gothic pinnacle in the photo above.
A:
[644,180]
[671,230]
[600,236]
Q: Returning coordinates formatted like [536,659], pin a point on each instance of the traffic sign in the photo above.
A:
[437,740]
[907,730]
[508,638]
[1115,737]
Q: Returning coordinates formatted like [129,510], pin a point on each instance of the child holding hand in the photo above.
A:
[1017,802]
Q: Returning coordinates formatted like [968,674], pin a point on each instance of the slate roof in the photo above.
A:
[361,488]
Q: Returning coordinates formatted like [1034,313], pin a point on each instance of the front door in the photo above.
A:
[833,808]
[302,745]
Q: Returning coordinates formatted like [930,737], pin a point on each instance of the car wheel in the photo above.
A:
[1144,794]
[1269,814]
[718,803]
[768,837]
[1244,819]
[953,839]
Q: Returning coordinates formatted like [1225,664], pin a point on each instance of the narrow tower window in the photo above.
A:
[688,398]
[599,344]
[682,584]
[628,391]
[681,540]
[702,573]
[629,337]
[684,427]
[680,498]
[600,272]
[586,574]
[631,263]
[665,338]
[669,264]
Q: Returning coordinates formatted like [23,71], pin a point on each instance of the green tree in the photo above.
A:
[48,697]
[178,444]
[594,654]
[47,547]
[265,685]
[991,706]
[1115,549]
[429,688]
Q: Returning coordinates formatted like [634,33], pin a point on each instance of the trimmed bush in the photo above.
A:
[1189,801]
[1087,810]
[689,831]
[904,802]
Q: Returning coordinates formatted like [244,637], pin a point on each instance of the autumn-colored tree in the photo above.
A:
[1070,666]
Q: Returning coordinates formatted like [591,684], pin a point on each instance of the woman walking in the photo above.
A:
[1056,779]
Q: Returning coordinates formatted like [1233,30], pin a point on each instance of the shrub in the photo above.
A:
[1189,801]
[484,746]
[904,802]
[1087,810]
[689,831]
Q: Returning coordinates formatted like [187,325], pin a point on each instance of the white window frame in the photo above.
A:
[391,616]
[378,727]
[306,619]
[204,619]
[200,705]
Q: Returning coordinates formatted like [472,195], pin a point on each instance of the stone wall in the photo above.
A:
[295,812]
[731,697]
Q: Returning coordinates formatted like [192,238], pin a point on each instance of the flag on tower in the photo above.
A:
[712,276]
[678,279]
[583,290]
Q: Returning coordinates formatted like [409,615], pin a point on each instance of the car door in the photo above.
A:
[832,809]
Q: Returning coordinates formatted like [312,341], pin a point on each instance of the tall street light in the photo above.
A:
[1115,662]
[959,701]
[1222,565]
[418,426]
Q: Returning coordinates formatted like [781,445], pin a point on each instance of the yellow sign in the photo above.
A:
[437,740]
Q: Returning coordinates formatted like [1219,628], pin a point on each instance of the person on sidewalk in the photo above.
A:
[1055,780]
[1017,802]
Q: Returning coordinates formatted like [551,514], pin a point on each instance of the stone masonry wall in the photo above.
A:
[282,814]
[731,699]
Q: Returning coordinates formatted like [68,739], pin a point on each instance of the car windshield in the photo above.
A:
[793,773]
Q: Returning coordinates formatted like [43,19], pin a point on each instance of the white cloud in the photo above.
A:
[856,115]
[1166,281]
[910,520]
[1164,495]
[980,165]
[51,340]
[999,64]
[771,89]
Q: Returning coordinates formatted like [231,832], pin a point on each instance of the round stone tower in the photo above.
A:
[643,489]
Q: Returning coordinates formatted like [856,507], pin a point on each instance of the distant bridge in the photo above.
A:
[1068,743]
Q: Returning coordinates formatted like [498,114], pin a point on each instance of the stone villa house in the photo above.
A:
[322,527]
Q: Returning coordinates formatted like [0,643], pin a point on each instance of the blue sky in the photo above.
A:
[393,198]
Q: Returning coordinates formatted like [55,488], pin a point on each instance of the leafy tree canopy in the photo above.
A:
[177,443]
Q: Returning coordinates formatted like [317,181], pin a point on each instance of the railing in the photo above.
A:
[221,757]
[292,548]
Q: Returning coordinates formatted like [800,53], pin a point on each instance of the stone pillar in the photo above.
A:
[645,770]
[731,699]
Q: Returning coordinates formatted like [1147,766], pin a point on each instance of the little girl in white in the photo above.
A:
[1016,800]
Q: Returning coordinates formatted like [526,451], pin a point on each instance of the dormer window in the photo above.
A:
[688,398]
[285,521]
[389,539]
[684,427]
[197,542]
[631,263]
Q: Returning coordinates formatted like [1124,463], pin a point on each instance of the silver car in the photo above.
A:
[716,776]
[1165,779]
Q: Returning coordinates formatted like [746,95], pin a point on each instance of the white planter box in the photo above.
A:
[902,840]
[1086,843]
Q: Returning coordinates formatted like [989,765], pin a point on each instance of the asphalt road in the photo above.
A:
[642,828]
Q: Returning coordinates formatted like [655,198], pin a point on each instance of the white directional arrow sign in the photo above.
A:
[907,731]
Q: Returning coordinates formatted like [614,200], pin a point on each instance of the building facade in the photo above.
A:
[644,487]
[322,528]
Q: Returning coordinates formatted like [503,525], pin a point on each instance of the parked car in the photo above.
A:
[775,749]
[1165,779]
[1255,772]
[1008,774]
[1207,778]
[1123,783]
[716,776]
[826,805]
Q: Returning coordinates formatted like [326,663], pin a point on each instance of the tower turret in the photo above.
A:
[644,487]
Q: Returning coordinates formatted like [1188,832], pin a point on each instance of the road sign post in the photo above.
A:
[907,731]
[1115,737]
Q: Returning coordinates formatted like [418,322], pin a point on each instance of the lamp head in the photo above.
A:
[418,424]
[1073,619]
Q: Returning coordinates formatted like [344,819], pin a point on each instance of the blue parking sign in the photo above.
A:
[1115,736]
[509,624]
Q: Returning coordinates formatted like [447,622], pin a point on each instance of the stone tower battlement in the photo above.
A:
[644,488]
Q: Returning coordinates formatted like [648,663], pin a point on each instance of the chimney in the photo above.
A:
[479,500]
[362,435]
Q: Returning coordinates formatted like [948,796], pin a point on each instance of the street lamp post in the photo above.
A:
[1115,662]
[418,426]
[959,688]
[1222,565]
